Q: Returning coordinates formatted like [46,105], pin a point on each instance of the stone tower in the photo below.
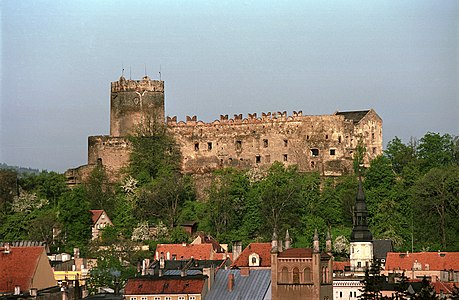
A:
[134,103]
[361,238]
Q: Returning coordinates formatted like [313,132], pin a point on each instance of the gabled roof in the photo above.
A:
[153,285]
[186,251]
[262,249]
[95,214]
[254,286]
[437,261]
[17,268]
[296,253]
[354,116]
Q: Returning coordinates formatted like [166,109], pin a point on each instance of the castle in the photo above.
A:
[324,143]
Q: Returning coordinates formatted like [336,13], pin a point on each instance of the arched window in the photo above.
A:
[307,275]
[296,275]
[284,275]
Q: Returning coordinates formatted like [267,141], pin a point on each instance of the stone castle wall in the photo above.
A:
[324,143]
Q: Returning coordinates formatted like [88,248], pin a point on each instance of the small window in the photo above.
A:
[374,150]
[350,294]
[339,139]
[230,160]
[341,294]
[196,146]
[181,298]
[168,298]
[285,143]
[355,294]
[174,256]
[307,137]
[332,151]
[326,136]
[313,165]
[265,143]
[359,264]
[258,159]
[209,146]
[372,135]
[192,298]
[315,152]
[285,157]
[254,259]
[238,145]
[296,276]
[133,298]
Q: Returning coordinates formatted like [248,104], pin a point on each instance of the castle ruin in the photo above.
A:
[324,143]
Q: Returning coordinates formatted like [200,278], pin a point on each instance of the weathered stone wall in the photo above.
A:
[133,102]
[323,143]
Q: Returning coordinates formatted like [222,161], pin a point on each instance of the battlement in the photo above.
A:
[250,119]
[146,84]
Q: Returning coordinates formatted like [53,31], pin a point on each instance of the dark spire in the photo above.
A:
[360,231]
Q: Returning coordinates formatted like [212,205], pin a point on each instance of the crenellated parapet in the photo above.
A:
[146,84]
[252,118]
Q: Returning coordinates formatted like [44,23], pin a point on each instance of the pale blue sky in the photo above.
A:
[222,57]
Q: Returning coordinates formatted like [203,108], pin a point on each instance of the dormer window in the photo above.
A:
[254,260]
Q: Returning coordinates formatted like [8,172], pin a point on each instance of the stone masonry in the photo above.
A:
[324,143]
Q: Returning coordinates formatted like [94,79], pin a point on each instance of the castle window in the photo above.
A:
[339,139]
[332,151]
[99,161]
[315,152]
[196,146]
[285,157]
[326,136]
[359,264]
[285,143]
[265,143]
[372,135]
[258,159]
[313,165]
[284,275]
[307,275]
[341,294]
[238,145]
[230,160]
[209,146]
[296,276]
[374,150]
[307,137]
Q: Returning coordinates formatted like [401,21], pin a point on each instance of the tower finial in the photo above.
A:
[328,242]
[288,241]
[316,242]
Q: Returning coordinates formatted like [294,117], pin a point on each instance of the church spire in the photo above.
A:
[360,230]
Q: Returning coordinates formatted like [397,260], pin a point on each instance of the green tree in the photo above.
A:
[427,291]
[99,191]
[75,218]
[435,150]
[436,202]
[399,154]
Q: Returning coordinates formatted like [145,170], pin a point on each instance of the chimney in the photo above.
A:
[6,248]
[76,253]
[160,273]
[183,273]
[230,282]
[33,292]
[161,261]
[184,244]
[237,249]
[17,290]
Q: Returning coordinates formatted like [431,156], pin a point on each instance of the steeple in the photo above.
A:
[274,242]
[360,231]
[328,242]
[316,242]
[288,241]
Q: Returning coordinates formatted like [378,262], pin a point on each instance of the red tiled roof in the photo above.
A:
[262,249]
[339,265]
[161,285]
[437,261]
[444,287]
[197,251]
[296,253]
[95,215]
[17,267]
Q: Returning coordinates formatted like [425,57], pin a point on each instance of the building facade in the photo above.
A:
[324,143]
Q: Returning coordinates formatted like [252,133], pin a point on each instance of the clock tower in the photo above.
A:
[361,252]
